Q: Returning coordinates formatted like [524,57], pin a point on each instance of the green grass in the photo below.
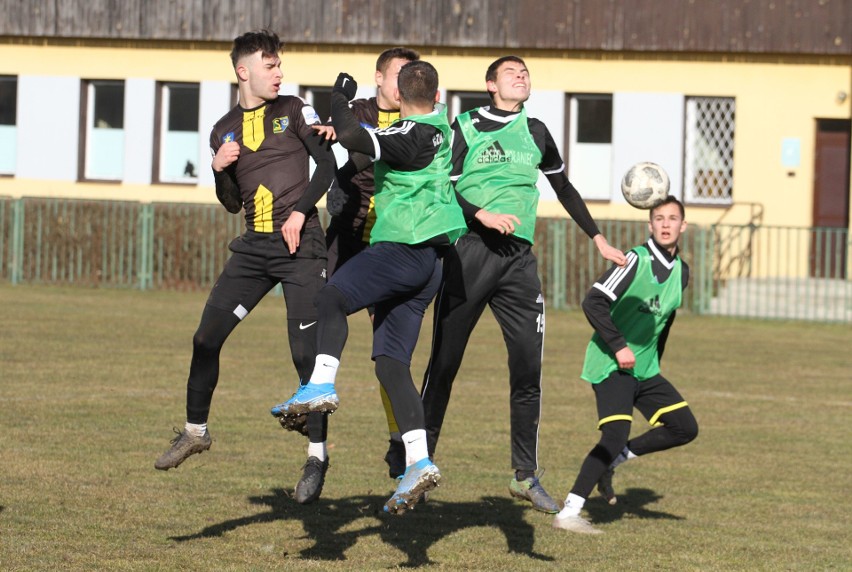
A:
[92,382]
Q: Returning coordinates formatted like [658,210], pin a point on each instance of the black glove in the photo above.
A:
[335,200]
[345,85]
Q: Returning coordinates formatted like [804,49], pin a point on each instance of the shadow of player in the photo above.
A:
[413,533]
[631,502]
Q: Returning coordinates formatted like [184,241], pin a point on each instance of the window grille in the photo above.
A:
[709,164]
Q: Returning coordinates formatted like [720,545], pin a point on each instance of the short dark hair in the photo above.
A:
[261,40]
[670,199]
[418,82]
[491,72]
[393,53]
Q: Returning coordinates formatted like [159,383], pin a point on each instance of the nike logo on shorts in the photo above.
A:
[305,326]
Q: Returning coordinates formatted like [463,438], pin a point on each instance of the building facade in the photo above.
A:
[746,104]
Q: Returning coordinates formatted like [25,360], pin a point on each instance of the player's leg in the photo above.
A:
[302,278]
[518,306]
[671,419]
[343,245]
[377,273]
[236,292]
[396,329]
[465,289]
[614,398]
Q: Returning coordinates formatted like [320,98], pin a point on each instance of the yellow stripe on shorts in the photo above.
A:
[612,418]
[654,420]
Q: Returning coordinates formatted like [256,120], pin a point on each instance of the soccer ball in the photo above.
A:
[645,185]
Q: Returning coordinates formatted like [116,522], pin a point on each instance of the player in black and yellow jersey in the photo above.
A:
[260,162]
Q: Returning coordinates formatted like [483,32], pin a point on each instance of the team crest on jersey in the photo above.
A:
[279,124]
[228,137]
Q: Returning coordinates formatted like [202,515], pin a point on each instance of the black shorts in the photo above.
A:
[260,261]
[618,394]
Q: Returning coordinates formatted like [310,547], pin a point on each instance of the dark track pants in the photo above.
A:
[502,273]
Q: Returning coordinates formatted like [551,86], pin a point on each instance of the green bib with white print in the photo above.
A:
[501,170]
[414,206]
[640,314]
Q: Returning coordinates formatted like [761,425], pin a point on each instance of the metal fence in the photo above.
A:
[747,270]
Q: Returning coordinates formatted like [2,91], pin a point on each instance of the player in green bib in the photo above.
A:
[498,155]
[417,218]
[632,310]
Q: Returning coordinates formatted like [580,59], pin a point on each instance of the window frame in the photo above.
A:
[161,128]
[88,114]
[11,152]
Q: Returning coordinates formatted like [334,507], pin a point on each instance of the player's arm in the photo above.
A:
[225,156]
[598,302]
[227,191]
[340,195]
[348,129]
[554,170]
[323,156]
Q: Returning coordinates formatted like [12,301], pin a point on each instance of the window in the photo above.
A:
[709,150]
[320,99]
[178,156]
[589,144]
[8,124]
[461,101]
[104,134]
[594,118]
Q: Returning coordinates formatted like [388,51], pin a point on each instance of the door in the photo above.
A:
[831,199]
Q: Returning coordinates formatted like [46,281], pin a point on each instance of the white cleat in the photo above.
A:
[575,524]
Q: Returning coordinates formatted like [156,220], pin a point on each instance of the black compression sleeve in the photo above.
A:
[573,203]
[468,209]
[323,175]
[596,307]
[348,129]
[227,191]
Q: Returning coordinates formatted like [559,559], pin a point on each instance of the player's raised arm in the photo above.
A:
[570,198]
[349,132]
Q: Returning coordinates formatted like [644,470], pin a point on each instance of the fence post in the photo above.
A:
[702,296]
[145,245]
[558,254]
[16,261]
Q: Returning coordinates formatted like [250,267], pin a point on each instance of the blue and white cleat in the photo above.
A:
[419,478]
[309,398]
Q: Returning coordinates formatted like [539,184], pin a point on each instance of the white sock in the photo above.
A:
[573,506]
[198,430]
[317,450]
[625,455]
[325,369]
[415,446]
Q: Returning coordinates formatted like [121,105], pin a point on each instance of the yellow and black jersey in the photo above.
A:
[272,170]
[360,216]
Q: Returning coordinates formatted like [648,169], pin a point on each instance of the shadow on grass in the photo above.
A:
[412,533]
[631,502]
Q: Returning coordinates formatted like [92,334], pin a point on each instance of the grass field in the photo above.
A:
[92,382]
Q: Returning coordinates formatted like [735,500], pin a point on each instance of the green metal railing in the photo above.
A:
[741,270]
